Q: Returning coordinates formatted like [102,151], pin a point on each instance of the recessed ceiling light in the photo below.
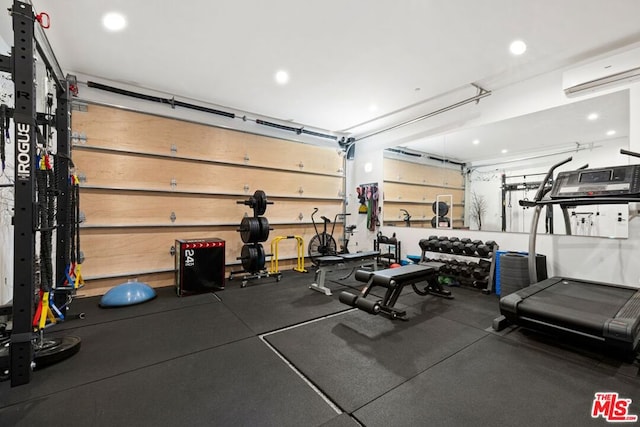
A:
[282,77]
[593,116]
[518,47]
[611,132]
[476,141]
[114,21]
[504,151]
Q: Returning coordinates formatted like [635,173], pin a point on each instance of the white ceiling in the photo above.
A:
[343,55]
[560,128]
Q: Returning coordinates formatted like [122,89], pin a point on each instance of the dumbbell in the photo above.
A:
[469,249]
[433,245]
[454,239]
[465,240]
[466,270]
[424,244]
[432,237]
[445,246]
[484,250]
[480,284]
[457,247]
[445,269]
[485,265]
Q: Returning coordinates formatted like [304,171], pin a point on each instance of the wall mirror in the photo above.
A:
[484,171]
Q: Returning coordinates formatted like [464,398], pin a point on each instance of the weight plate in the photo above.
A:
[54,350]
[259,202]
[440,208]
[248,256]
[250,230]
[263,222]
[260,258]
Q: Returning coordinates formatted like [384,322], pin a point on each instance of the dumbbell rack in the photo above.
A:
[253,231]
[465,250]
[389,257]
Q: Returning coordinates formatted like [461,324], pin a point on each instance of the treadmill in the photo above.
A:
[604,313]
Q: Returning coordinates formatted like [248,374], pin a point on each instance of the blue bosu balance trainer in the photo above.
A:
[129,293]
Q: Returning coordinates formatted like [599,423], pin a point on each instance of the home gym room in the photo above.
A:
[342,214]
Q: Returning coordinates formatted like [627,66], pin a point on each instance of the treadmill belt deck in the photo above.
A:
[582,307]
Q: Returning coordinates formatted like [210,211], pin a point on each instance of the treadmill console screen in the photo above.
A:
[616,181]
[598,176]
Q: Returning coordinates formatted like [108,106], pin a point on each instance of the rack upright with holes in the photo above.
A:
[29,40]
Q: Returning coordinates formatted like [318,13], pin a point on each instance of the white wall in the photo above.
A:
[6,197]
[594,258]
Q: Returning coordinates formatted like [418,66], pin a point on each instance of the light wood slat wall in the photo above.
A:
[415,187]
[139,250]
[139,169]
[123,130]
[415,173]
[109,169]
[125,208]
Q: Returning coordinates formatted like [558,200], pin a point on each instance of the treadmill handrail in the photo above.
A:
[629,153]
[540,193]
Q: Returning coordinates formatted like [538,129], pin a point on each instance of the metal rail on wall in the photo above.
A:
[482,93]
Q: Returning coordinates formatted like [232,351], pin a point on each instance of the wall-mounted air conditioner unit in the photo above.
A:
[616,69]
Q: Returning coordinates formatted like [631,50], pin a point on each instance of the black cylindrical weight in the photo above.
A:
[432,237]
[424,244]
[477,242]
[454,239]
[442,238]
[490,243]
[465,240]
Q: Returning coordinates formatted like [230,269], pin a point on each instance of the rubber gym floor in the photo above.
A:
[278,354]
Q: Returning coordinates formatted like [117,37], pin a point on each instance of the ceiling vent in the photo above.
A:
[603,73]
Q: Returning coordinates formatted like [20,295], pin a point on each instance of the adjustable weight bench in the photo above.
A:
[330,263]
[395,279]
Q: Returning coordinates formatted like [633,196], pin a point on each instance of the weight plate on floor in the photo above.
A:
[54,350]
